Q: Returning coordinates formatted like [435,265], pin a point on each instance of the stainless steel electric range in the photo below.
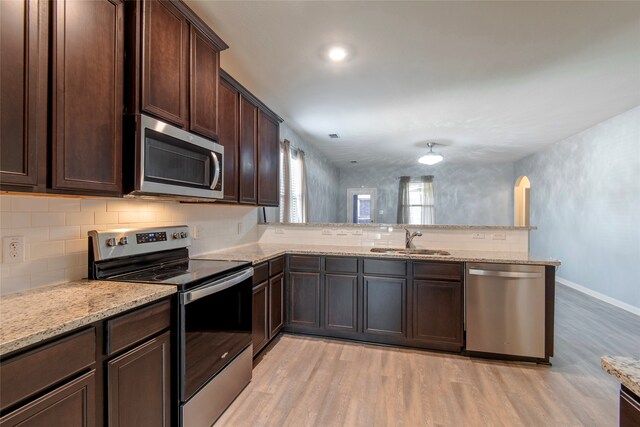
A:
[212,336]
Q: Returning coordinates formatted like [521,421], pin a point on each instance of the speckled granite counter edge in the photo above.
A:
[625,369]
[412,226]
[62,328]
[260,259]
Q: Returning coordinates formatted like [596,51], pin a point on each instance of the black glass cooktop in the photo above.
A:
[185,274]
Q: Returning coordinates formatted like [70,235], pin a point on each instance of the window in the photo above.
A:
[416,200]
[293,198]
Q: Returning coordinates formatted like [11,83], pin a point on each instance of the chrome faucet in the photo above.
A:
[408,238]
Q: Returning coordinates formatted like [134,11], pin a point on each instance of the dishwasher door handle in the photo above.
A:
[507,274]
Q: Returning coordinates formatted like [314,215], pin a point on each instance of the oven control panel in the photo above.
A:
[159,236]
[110,244]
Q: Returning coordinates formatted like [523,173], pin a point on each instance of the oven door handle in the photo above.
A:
[220,285]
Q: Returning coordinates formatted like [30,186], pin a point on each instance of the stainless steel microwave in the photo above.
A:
[161,160]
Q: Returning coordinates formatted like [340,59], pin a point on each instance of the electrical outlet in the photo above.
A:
[239,228]
[326,232]
[477,236]
[279,231]
[195,232]
[499,236]
[12,249]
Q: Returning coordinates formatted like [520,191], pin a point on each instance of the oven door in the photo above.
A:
[215,323]
[172,161]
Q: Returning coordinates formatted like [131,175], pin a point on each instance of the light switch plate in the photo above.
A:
[12,249]
[279,231]
[499,236]
[342,232]
[326,232]
[357,232]
[477,236]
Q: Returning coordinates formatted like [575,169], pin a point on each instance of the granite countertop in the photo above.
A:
[625,369]
[400,226]
[260,252]
[30,317]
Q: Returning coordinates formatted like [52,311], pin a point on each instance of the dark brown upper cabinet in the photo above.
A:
[205,66]
[268,160]
[248,136]
[165,38]
[23,94]
[173,65]
[229,101]
[250,133]
[87,76]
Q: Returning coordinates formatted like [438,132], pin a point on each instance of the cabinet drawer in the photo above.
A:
[385,267]
[303,262]
[33,372]
[276,266]
[629,408]
[260,273]
[437,270]
[134,327]
[341,265]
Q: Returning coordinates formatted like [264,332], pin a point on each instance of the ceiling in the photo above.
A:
[490,81]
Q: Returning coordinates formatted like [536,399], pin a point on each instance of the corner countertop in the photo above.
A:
[625,369]
[29,317]
[260,252]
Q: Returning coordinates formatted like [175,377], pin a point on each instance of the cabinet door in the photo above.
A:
[276,304]
[341,302]
[268,160]
[205,68]
[260,325]
[228,123]
[304,299]
[139,385]
[87,66]
[23,89]
[437,311]
[384,305]
[248,142]
[165,33]
[70,405]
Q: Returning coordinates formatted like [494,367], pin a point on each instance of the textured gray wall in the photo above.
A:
[585,200]
[322,181]
[466,194]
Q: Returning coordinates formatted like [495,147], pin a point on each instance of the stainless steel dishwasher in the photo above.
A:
[505,309]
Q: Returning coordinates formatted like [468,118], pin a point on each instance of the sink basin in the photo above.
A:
[409,251]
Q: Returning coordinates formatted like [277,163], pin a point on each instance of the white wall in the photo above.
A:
[585,200]
[55,230]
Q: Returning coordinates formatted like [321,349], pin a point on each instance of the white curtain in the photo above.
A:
[304,192]
[416,200]
[285,182]
[293,185]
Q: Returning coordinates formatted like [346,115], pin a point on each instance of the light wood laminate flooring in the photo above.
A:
[304,381]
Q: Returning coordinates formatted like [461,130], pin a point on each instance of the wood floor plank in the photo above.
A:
[305,381]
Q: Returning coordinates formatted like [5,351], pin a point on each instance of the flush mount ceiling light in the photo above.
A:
[431,158]
[337,53]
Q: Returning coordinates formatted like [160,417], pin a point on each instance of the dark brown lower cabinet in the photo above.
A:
[437,312]
[260,327]
[70,405]
[304,299]
[276,304]
[629,408]
[139,385]
[384,308]
[341,302]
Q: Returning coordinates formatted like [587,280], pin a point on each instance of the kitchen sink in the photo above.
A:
[409,251]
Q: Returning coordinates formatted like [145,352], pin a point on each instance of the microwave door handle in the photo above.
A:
[216,174]
[218,286]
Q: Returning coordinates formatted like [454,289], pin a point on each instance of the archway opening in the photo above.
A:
[521,201]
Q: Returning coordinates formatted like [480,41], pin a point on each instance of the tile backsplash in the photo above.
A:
[55,231]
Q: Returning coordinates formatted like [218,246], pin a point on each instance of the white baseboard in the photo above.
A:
[602,297]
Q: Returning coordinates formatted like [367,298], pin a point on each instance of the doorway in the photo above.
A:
[521,201]
[361,205]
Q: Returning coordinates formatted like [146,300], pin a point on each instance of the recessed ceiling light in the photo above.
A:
[334,136]
[337,53]
[354,161]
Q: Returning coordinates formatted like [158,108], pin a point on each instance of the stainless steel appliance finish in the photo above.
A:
[213,314]
[505,309]
[170,162]
[212,400]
